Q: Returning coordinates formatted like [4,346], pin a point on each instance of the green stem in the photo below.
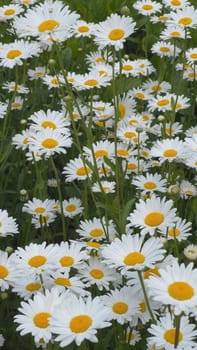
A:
[146,297]
[60,198]
[177,325]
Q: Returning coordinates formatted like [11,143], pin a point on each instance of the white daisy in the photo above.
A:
[50,119]
[176,286]
[152,214]
[132,252]
[163,334]
[96,229]
[168,149]
[77,319]
[173,31]
[175,4]
[70,254]
[8,225]
[72,207]
[90,80]
[191,55]
[9,11]
[5,270]
[165,49]
[38,207]
[185,16]
[113,31]
[15,52]
[181,230]
[147,7]
[76,169]
[150,183]
[36,73]
[190,252]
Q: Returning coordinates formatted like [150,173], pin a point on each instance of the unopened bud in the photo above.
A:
[161,118]
[23,195]
[51,62]
[125,11]
[9,250]
[4,296]
[173,189]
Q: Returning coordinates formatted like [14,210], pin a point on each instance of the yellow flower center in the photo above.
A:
[192,75]
[50,143]
[163,102]
[140,95]
[122,110]
[39,74]
[101,153]
[170,153]
[62,281]
[31,287]
[93,244]
[48,25]
[154,219]
[131,166]
[150,272]
[70,208]
[134,258]
[163,18]
[12,54]
[147,7]
[37,261]
[91,82]
[99,60]
[97,274]
[41,319]
[176,2]
[3,271]
[16,105]
[66,261]
[145,153]
[175,34]
[180,290]
[142,307]
[48,124]
[169,336]
[185,21]
[9,12]
[127,67]
[40,210]
[122,152]
[164,49]
[193,55]
[120,308]
[83,171]
[129,134]
[149,185]
[80,324]
[83,29]
[55,81]
[116,34]
[174,232]
[96,232]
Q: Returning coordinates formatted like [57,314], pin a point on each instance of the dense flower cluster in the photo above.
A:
[98,143]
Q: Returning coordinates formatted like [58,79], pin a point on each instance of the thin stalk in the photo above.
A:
[177,325]
[60,198]
[146,296]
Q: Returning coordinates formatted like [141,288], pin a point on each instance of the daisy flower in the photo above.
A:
[39,207]
[82,29]
[96,229]
[191,55]
[132,252]
[165,49]
[113,31]
[173,32]
[147,7]
[53,81]
[122,304]
[44,19]
[35,314]
[163,334]
[168,149]
[3,109]
[175,4]
[37,73]
[70,254]
[34,258]
[77,319]
[8,225]
[25,286]
[12,86]
[22,140]
[90,80]
[152,214]
[2,340]
[14,53]
[50,119]
[17,103]
[145,67]
[150,183]
[9,11]
[99,56]
[181,230]
[159,18]
[190,252]
[5,270]
[76,169]
[176,286]
[96,273]
[128,67]
[103,69]
[50,141]
[154,86]
[139,93]
[104,187]
[101,150]
[72,207]
[126,106]
[63,281]
[185,16]
[132,336]
[187,189]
